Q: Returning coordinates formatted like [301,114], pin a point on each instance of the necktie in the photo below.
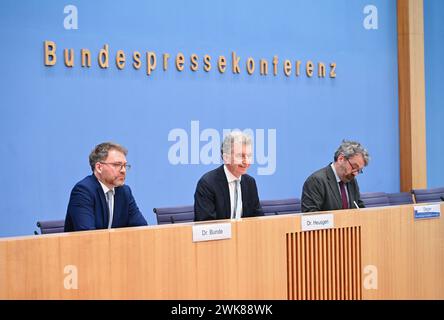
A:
[343,195]
[236,196]
[109,199]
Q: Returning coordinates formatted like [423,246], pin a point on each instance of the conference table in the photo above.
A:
[371,253]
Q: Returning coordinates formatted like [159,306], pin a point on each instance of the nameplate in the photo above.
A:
[317,222]
[429,211]
[214,231]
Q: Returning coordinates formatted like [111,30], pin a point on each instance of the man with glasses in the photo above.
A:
[335,187]
[228,192]
[101,200]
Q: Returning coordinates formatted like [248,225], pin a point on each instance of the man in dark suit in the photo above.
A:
[335,187]
[101,200]
[228,192]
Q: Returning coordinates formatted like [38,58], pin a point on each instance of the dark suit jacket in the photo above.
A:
[212,197]
[88,210]
[321,192]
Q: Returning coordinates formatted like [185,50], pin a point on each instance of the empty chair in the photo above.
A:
[428,195]
[375,199]
[50,226]
[174,214]
[281,206]
[399,198]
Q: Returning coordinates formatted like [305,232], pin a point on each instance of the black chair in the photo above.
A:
[375,199]
[50,226]
[281,206]
[398,198]
[428,195]
[174,214]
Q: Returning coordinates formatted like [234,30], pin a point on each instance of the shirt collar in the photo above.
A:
[230,176]
[332,165]
[106,189]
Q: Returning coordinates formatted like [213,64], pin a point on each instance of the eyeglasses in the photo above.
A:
[118,165]
[353,168]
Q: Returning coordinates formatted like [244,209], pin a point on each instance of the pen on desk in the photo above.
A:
[357,207]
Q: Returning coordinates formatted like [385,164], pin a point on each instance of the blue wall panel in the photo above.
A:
[51,117]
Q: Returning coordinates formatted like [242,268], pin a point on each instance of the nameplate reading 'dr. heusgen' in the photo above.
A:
[317,222]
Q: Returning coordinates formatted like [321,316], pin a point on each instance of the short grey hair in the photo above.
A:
[100,152]
[351,148]
[231,138]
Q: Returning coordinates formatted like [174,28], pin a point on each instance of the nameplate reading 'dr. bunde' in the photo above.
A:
[317,222]
[213,231]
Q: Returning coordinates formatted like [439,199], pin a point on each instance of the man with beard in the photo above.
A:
[228,192]
[335,187]
[101,200]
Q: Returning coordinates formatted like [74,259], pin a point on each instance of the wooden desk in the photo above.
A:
[266,258]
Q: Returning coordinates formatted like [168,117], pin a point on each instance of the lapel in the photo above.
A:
[244,189]
[223,182]
[103,203]
[333,185]
[118,194]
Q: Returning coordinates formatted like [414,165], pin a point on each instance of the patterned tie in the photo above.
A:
[109,200]
[343,195]
[236,196]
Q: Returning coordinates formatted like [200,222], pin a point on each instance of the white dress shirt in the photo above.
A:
[105,190]
[231,185]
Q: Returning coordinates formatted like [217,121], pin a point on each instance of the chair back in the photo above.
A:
[398,198]
[428,195]
[51,226]
[281,206]
[375,199]
[174,214]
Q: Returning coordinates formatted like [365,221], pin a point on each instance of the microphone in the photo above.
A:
[442,198]
[357,207]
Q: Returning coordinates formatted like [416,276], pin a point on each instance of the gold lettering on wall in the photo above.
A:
[86,58]
[309,68]
[264,67]
[166,56]
[180,60]
[137,63]
[221,64]
[69,57]
[298,67]
[287,67]
[275,65]
[103,57]
[333,70]
[207,63]
[250,65]
[50,53]
[120,59]
[321,70]
[237,64]
[151,62]
[194,65]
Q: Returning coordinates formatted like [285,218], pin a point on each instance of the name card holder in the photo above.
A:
[428,211]
[213,231]
[317,222]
